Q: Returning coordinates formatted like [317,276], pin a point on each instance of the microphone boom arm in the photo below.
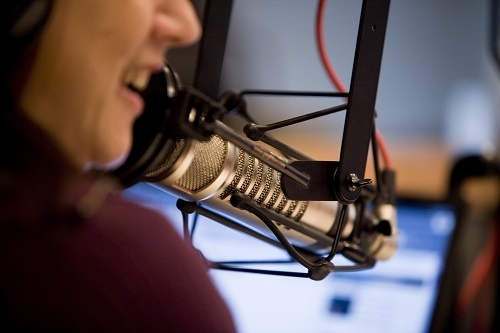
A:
[200,117]
[361,102]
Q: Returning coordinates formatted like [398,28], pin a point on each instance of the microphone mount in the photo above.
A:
[198,116]
[318,267]
[192,114]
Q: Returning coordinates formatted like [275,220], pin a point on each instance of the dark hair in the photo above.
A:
[22,22]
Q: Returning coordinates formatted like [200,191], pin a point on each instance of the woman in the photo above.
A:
[75,256]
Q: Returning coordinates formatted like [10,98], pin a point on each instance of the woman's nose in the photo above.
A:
[178,24]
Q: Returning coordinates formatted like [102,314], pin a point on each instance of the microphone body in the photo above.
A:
[209,172]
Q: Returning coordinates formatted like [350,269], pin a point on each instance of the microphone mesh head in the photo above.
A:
[211,165]
[206,165]
[163,168]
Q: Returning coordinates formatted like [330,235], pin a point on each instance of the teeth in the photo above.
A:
[138,78]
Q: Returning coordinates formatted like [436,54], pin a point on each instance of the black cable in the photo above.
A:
[242,202]
[317,270]
[338,231]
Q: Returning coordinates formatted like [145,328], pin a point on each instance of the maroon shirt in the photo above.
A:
[75,256]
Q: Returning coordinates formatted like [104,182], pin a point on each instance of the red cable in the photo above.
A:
[488,255]
[484,263]
[336,79]
[322,50]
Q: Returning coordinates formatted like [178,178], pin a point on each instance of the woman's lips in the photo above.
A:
[135,81]
[134,99]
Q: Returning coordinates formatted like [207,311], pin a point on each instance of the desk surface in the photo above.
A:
[422,165]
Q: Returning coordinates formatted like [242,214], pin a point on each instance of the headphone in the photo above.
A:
[22,24]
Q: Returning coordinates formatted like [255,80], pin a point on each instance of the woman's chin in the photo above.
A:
[106,166]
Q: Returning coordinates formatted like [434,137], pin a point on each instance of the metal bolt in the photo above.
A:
[192,115]
[354,182]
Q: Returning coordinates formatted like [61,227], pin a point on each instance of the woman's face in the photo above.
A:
[89,52]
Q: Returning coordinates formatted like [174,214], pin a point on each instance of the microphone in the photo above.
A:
[192,155]
[209,172]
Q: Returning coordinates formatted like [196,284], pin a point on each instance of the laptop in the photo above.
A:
[397,295]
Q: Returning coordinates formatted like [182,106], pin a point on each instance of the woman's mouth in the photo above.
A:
[137,79]
[135,82]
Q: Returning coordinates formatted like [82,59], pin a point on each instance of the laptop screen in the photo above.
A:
[397,295]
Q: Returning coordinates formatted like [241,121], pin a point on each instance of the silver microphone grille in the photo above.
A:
[262,184]
[205,166]
[219,168]
[161,170]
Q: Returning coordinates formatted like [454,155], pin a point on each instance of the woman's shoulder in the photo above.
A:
[113,256]
[145,258]
[100,202]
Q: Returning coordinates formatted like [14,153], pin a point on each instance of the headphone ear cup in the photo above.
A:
[27,17]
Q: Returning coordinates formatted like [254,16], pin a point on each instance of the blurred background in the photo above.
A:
[438,89]
[437,105]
